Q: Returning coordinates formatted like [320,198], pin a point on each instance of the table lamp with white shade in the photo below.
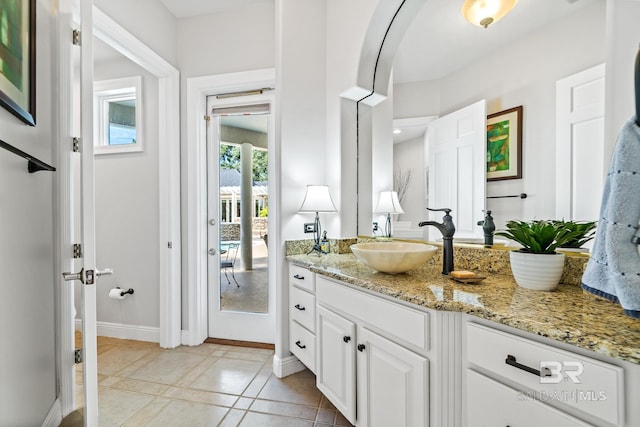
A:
[317,199]
[389,204]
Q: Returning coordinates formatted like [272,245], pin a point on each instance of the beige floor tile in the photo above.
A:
[341,420]
[259,381]
[228,376]
[244,355]
[326,416]
[298,388]
[138,386]
[143,416]
[233,418]
[167,367]
[243,403]
[115,407]
[182,413]
[118,358]
[197,371]
[253,419]
[202,396]
[285,409]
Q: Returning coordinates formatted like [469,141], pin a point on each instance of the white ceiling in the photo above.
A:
[189,8]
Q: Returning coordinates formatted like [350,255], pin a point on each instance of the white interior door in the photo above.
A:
[81,187]
[580,168]
[241,296]
[456,158]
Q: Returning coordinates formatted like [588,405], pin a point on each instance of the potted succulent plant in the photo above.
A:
[537,265]
[586,231]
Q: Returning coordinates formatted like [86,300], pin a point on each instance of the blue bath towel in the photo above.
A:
[613,271]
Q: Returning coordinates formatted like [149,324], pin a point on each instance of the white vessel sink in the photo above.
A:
[393,257]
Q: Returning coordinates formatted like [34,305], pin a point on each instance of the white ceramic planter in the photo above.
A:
[540,272]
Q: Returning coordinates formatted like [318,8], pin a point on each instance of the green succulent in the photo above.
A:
[539,236]
[586,232]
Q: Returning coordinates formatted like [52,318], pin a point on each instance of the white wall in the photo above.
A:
[127,218]
[527,74]
[27,356]
[226,42]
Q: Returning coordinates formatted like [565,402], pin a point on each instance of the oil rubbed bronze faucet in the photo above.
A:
[447,229]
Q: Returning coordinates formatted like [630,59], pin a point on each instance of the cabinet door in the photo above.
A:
[392,383]
[336,370]
[490,403]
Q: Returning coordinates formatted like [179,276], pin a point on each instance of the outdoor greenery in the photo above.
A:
[540,236]
[230,159]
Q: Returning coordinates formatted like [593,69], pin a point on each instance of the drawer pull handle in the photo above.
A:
[299,307]
[300,345]
[511,360]
[299,277]
[346,339]
[361,347]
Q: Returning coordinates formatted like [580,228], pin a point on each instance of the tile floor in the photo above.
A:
[141,384]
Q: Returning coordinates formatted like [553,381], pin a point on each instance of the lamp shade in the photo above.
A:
[317,199]
[485,12]
[389,203]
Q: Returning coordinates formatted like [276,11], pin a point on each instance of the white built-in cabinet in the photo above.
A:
[382,362]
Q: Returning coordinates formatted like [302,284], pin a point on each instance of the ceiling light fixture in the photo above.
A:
[485,12]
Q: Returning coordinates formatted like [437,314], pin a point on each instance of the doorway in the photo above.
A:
[241,297]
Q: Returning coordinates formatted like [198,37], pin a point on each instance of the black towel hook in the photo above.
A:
[637,81]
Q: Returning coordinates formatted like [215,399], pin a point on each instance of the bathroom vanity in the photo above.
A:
[419,349]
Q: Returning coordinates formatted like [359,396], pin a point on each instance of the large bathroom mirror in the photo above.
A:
[444,63]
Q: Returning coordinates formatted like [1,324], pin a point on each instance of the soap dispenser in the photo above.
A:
[324,243]
[488,227]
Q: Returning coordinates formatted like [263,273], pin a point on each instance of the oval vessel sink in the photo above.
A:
[393,257]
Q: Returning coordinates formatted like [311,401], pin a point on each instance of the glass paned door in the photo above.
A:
[241,299]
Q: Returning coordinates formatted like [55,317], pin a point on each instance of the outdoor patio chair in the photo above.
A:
[229,261]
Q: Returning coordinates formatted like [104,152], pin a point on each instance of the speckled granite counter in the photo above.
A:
[566,314]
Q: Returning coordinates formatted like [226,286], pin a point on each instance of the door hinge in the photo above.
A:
[207,118]
[77,250]
[77,356]
[169,245]
[75,145]
[76,37]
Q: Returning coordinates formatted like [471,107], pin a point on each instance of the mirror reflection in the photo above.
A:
[444,64]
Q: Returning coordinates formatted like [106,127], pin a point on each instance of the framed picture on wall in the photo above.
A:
[504,145]
[17,58]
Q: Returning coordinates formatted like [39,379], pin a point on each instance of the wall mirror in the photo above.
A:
[444,63]
[118,115]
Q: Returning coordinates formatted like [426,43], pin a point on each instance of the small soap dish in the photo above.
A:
[469,280]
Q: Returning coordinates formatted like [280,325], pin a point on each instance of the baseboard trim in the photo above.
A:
[240,343]
[54,417]
[126,332]
[283,367]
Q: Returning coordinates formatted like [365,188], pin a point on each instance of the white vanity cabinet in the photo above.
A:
[302,315]
[371,361]
[517,381]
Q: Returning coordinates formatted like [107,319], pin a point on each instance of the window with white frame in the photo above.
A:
[118,115]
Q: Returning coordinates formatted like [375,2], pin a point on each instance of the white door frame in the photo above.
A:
[168,76]
[198,88]
[168,181]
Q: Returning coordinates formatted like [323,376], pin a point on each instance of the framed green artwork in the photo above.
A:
[17,58]
[504,145]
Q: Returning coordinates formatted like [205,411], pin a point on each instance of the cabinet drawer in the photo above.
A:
[591,386]
[490,403]
[302,343]
[302,307]
[404,324]
[302,278]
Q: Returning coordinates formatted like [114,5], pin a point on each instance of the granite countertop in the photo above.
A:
[566,314]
